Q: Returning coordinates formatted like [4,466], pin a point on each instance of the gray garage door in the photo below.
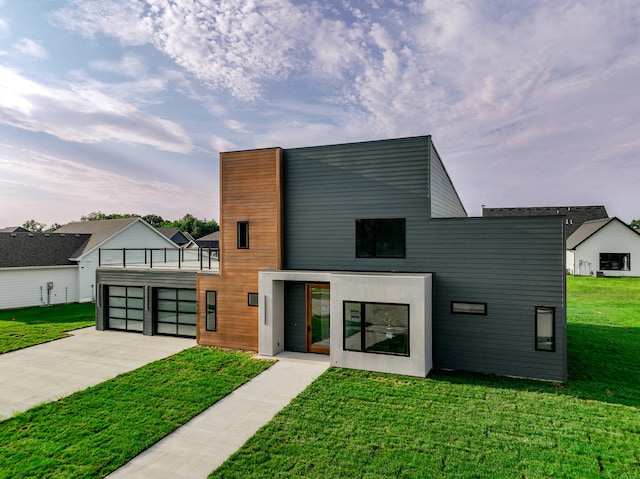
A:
[125,308]
[175,312]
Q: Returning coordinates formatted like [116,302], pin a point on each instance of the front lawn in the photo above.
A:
[21,328]
[93,432]
[463,425]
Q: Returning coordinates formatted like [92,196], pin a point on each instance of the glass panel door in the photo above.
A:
[318,318]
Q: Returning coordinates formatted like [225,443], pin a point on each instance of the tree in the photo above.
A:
[155,220]
[635,224]
[34,226]
[52,228]
[99,215]
[194,226]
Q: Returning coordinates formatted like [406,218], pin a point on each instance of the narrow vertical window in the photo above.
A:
[243,235]
[211,311]
[545,327]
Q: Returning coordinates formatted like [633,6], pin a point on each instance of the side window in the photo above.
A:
[380,238]
[211,311]
[545,327]
[243,235]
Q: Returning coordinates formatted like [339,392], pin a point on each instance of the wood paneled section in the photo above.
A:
[250,190]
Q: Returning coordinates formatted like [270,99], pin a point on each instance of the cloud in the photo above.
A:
[73,189]
[130,65]
[29,47]
[4,27]
[82,114]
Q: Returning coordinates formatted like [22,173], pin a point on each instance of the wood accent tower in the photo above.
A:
[250,193]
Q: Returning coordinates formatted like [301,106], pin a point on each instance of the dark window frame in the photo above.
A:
[363,326]
[552,338]
[242,234]
[252,296]
[473,313]
[606,262]
[208,311]
[370,247]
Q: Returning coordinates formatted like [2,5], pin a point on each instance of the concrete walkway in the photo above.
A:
[56,369]
[205,442]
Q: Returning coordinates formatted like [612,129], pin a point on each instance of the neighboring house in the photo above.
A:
[14,229]
[574,216]
[109,235]
[364,252]
[606,247]
[210,241]
[181,238]
[36,269]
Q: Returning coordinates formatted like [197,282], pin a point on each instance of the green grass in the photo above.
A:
[93,432]
[21,328]
[463,425]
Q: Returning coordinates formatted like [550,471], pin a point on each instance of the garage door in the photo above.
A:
[175,312]
[125,308]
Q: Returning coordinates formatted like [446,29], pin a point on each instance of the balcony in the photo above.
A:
[191,259]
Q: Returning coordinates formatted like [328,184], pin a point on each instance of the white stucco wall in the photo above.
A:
[411,289]
[615,237]
[23,287]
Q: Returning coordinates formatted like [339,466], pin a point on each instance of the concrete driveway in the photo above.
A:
[49,371]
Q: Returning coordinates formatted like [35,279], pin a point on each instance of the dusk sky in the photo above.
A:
[124,106]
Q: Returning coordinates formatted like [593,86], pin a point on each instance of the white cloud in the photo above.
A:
[31,48]
[222,144]
[4,28]
[82,114]
[129,66]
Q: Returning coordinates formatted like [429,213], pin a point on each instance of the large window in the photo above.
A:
[176,312]
[211,311]
[545,326]
[380,238]
[125,308]
[615,261]
[376,328]
[243,235]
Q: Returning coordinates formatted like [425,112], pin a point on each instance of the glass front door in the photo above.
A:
[318,318]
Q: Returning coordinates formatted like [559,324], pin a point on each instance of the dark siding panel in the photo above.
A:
[295,313]
[327,188]
[445,202]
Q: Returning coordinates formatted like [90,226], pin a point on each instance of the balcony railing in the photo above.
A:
[164,258]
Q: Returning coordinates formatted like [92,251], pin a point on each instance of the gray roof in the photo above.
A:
[100,231]
[212,240]
[575,215]
[175,235]
[589,228]
[39,249]
[14,229]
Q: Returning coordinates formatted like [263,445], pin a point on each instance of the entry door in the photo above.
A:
[318,318]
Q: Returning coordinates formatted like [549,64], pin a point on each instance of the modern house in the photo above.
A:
[36,269]
[364,252]
[574,216]
[604,247]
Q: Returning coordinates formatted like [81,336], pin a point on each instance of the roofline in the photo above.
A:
[57,266]
[136,219]
[610,219]
[430,141]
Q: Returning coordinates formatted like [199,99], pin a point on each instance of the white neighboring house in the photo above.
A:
[606,246]
[35,269]
[130,233]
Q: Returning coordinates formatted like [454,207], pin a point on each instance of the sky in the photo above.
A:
[122,106]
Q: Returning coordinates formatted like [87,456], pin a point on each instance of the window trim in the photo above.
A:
[250,303]
[473,313]
[374,238]
[553,329]
[207,311]
[600,261]
[363,326]
[242,230]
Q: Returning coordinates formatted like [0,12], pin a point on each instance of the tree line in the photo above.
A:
[188,224]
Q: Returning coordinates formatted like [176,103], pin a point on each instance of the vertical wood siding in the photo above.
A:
[250,186]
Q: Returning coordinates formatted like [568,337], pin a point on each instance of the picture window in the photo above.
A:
[381,328]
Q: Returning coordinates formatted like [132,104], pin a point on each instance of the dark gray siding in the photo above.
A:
[149,279]
[513,265]
[327,188]
[295,317]
[445,202]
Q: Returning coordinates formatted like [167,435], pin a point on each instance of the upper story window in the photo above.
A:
[615,261]
[243,235]
[380,238]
